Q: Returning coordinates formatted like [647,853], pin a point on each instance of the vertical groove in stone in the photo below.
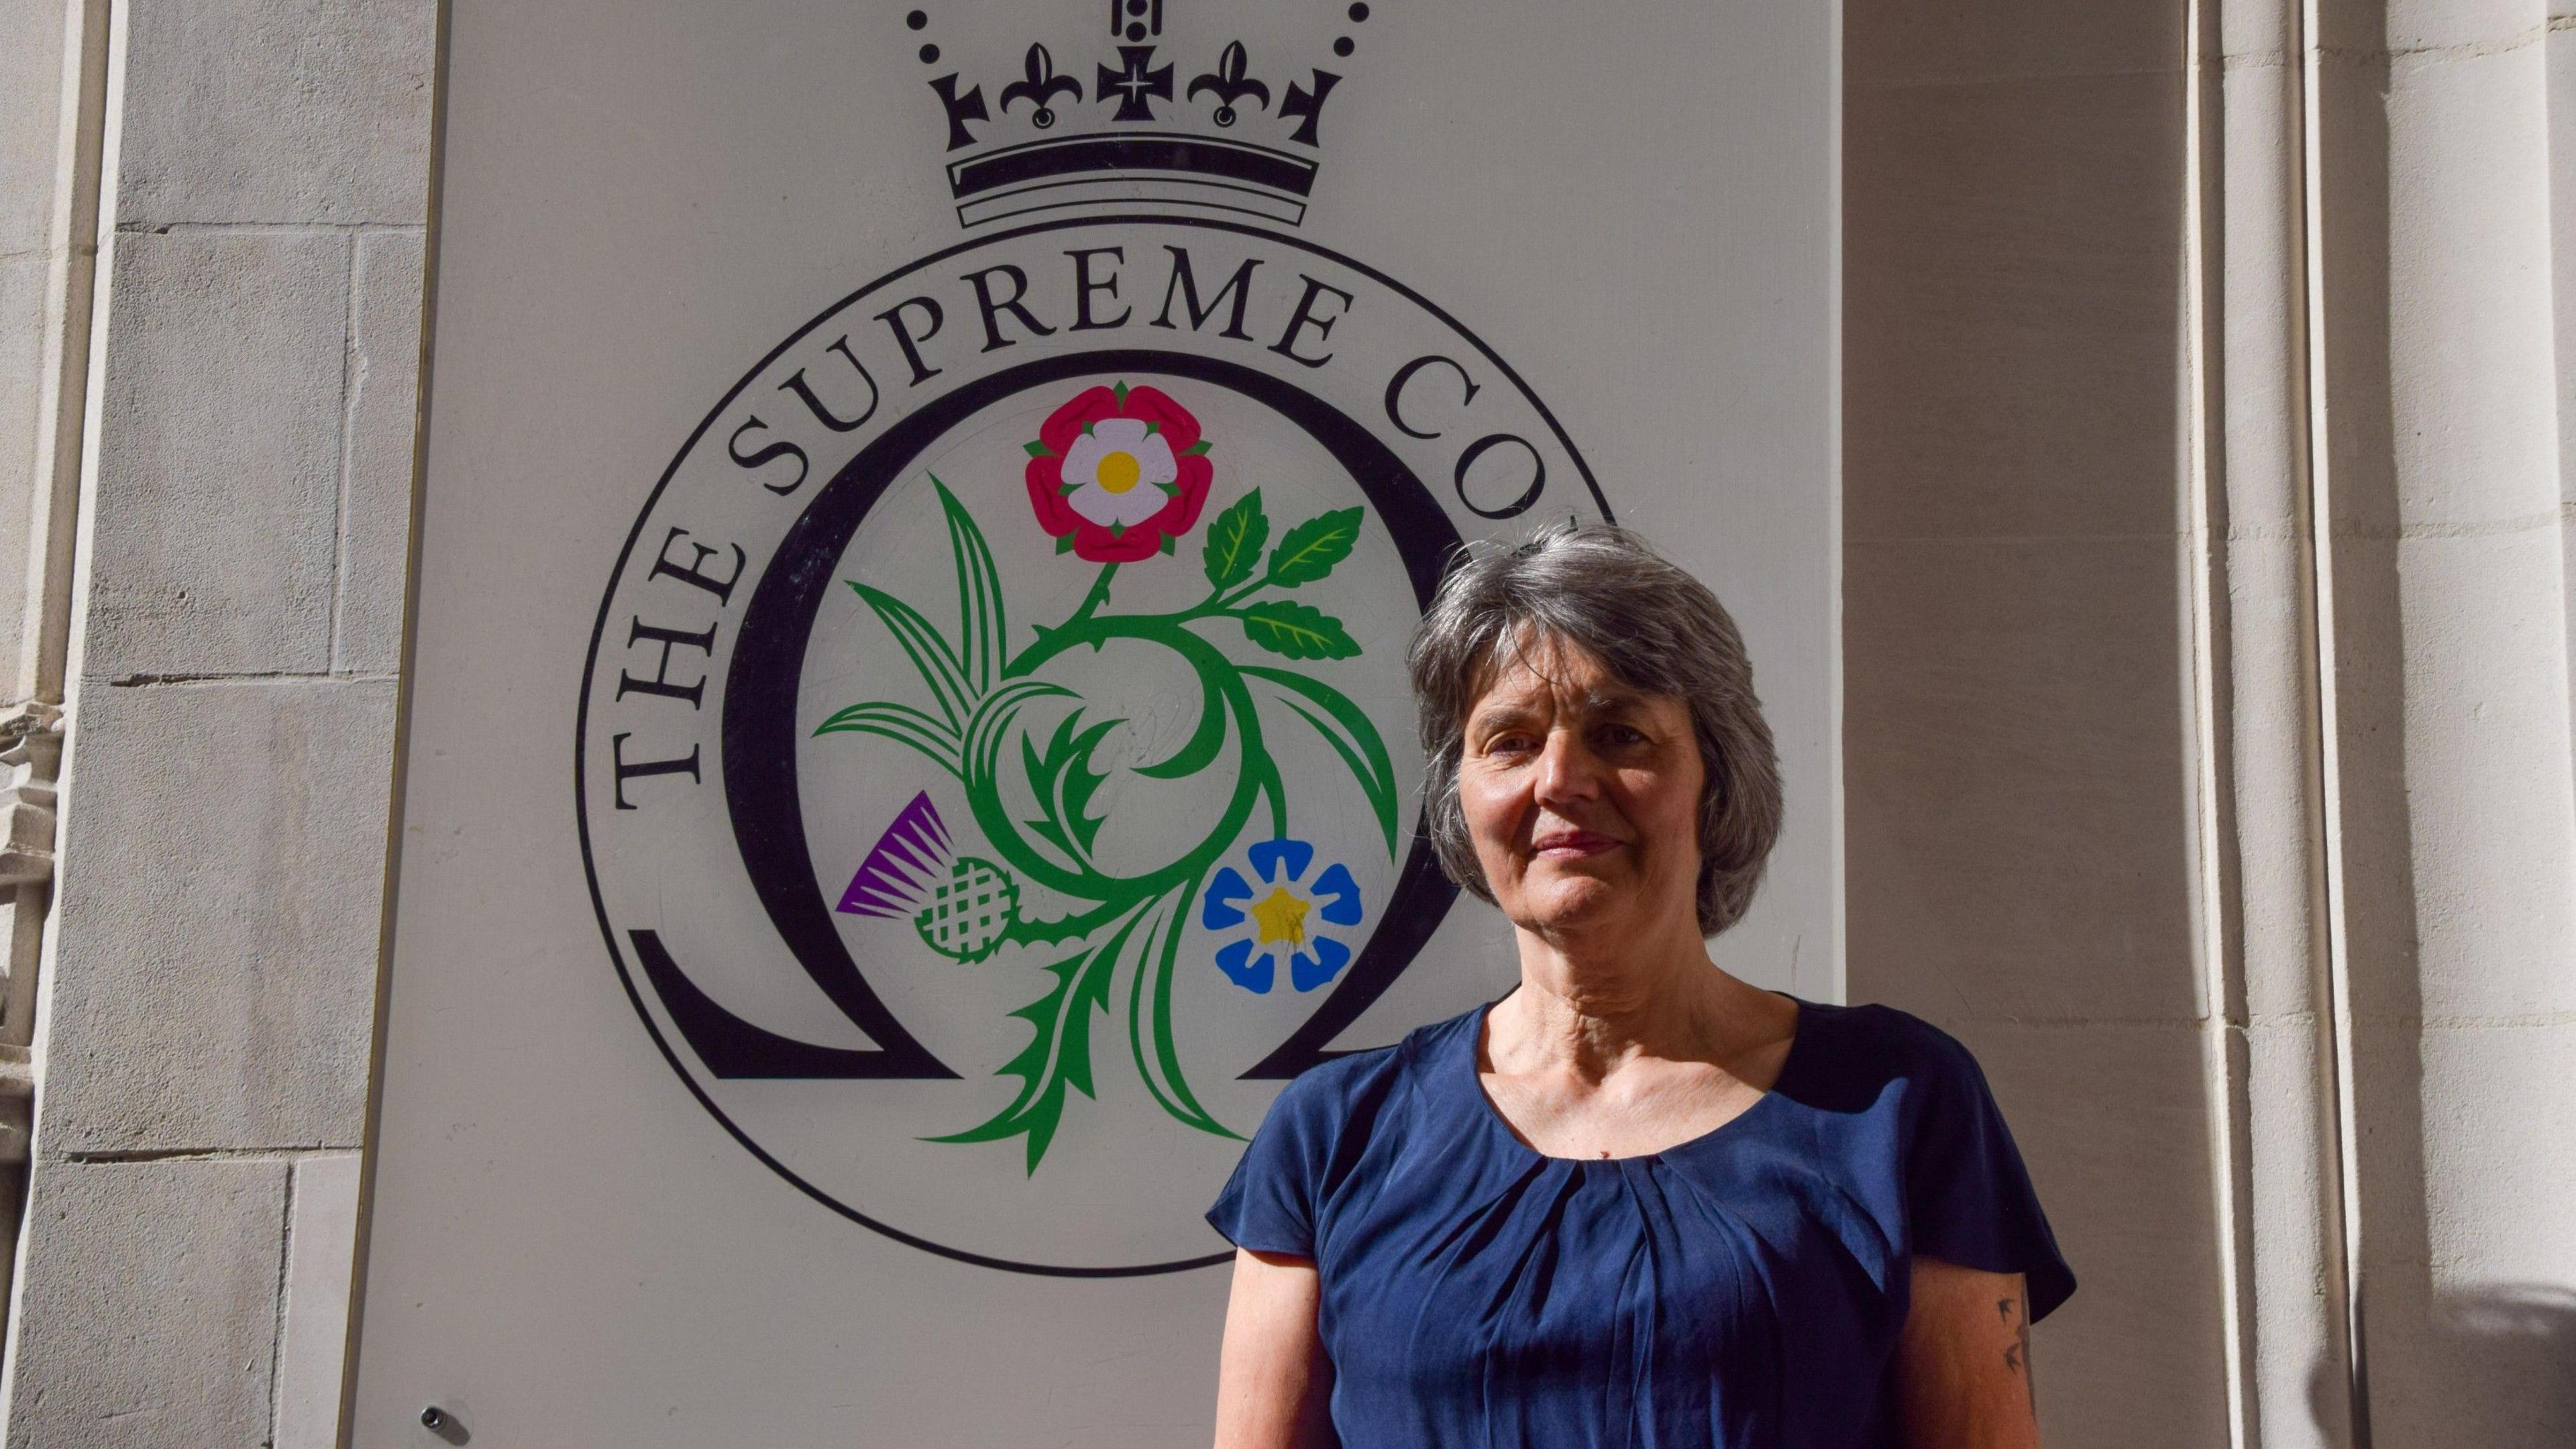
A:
[2317,456]
[2219,908]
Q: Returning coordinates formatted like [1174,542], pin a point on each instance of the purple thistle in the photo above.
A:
[917,841]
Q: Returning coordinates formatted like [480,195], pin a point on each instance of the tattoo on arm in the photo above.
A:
[2017,1353]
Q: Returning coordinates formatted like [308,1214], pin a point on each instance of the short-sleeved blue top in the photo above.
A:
[1742,1289]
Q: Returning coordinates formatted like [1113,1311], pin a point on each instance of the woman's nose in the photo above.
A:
[1566,770]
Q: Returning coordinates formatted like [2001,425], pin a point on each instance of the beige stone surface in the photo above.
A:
[223,862]
[272,111]
[2010,275]
[313,1329]
[2468,1272]
[2474,438]
[31,35]
[151,1287]
[22,310]
[2013,727]
[384,392]
[219,457]
[2460,26]
[2127,1361]
[1915,43]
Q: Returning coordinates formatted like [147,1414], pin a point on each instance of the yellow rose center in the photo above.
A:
[1280,917]
[1118,472]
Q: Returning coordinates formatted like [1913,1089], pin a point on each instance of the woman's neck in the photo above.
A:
[1586,1009]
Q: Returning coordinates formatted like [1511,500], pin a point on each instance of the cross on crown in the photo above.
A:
[1224,139]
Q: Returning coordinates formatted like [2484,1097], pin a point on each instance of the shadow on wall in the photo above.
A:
[2507,1354]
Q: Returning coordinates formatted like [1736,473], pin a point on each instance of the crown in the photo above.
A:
[1143,121]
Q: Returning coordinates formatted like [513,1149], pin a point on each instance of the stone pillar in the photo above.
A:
[205,1013]
[53,82]
[2276,1058]
[2207,731]
[2448,688]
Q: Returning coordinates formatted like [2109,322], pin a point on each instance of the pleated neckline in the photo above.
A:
[1461,1071]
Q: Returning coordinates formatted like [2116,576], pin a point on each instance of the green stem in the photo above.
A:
[1250,786]
[1098,596]
[1028,932]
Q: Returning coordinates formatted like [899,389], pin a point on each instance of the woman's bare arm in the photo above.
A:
[1963,1362]
[1273,1381]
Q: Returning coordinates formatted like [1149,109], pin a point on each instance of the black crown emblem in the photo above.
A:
[1143,121]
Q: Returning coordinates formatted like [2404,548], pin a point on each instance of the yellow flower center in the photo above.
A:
[1280,917]
[1118,472]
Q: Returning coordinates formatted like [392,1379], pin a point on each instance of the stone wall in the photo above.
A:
[208,1001]
[2207,736]
[2016,725]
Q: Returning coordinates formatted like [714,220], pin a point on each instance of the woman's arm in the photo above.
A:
[1963,1362]
[1273,1381]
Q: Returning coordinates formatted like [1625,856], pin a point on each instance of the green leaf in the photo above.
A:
[1059,1054]
[1234,541]
[1299,631]
[982,631]
[991,722]
[1348,729]
[931,657]
[1064,544]
[1200,750]
[1120,392]
[1038,450]
[1309,551]
[1158,1059]
[1195,450]
[905,726]
[1169,544]
[1064,782]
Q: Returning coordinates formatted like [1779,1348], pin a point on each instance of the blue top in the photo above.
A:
[1742,1289]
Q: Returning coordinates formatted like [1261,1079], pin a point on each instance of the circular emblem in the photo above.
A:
[995,760]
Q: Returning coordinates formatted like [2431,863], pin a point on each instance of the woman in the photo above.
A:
[1635,1201]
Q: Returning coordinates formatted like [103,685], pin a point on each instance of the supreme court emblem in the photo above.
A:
[995,764]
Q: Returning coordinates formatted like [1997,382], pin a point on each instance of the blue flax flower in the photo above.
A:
[1285,915]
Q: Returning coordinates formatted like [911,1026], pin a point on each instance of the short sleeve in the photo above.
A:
[1269,1204]
[1968,1197]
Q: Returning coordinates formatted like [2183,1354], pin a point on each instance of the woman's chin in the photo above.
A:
[1573,902]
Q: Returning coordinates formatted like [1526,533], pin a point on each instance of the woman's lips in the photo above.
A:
[1572,844]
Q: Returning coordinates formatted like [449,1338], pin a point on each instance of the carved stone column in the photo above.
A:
[2448,708]
[53,84]
[2267,948]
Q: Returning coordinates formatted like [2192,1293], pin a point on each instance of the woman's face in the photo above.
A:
[1582,795]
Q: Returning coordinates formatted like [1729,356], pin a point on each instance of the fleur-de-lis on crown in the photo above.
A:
[1041,87]
[1229,83]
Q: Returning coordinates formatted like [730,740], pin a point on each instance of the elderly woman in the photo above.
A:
[1635,1201]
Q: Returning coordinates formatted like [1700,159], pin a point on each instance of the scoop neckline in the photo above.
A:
[1502,1126]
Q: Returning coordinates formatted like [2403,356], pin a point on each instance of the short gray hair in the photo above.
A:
[1600,588]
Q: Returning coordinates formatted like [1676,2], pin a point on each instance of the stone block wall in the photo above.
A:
[2015,724]
[2207,740]
[208,1003]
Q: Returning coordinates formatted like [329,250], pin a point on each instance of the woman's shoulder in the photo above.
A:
[1337,1106]
[1869,1048]
[1337,1085]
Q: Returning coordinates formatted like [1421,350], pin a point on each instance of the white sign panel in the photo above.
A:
[909,745]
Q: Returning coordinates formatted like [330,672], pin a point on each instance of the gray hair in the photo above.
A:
[1600,588]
